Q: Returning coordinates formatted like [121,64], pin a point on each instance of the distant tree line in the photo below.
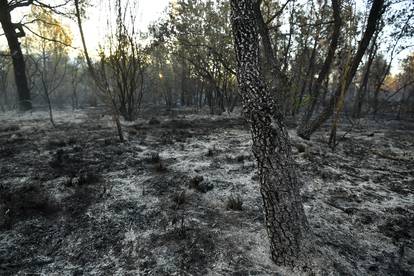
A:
[187,59]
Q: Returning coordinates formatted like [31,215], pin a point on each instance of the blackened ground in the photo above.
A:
[180,197]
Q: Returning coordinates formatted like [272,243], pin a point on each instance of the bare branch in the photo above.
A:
[54,8]
[49,39]
[278,13]
[19,4]
[40,20]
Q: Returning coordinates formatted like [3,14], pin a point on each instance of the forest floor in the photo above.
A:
[181,197]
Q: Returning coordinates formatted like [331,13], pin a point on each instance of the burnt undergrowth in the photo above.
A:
[181,196]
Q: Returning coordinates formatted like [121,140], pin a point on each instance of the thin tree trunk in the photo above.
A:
[400,106]
[336,101]
[324,73]
[277,78]
[45,87]
[200,96]
[183,83]
[307,82]
[362,91]
[75,101]
[49,105]
[110,102]
[284,215]
[378,85]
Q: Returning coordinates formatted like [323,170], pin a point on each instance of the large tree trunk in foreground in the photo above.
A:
[285,218]
[19,66]
[336,101]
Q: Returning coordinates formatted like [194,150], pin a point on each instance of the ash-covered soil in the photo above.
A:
[181,197]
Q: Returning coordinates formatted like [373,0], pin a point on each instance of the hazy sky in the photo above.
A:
[95,26]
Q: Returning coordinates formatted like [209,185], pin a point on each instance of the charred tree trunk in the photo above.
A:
[284,214]
[183,83]
[362,91]
[377,89]
[336,101]
[19,66]
[324,73]
[307,82]
[278,79]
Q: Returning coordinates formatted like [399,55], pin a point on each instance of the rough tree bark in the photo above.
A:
[375,14]
[285,219]
[19,66]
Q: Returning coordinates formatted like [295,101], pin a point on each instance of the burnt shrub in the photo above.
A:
[234,203]
[154,121]
[152,158]
[240,158]
[24,202]
[85,178]
[211,151]
[300,147]
[160,167]
[180,198]
[57,159]
[72,140]
[197,183]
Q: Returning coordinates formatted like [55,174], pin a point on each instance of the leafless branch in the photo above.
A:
[278,13]
[51,7]
[17,4]
[42,21]
[49,39]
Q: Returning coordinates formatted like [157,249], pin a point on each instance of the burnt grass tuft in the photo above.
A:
[235,203]
[179,198]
